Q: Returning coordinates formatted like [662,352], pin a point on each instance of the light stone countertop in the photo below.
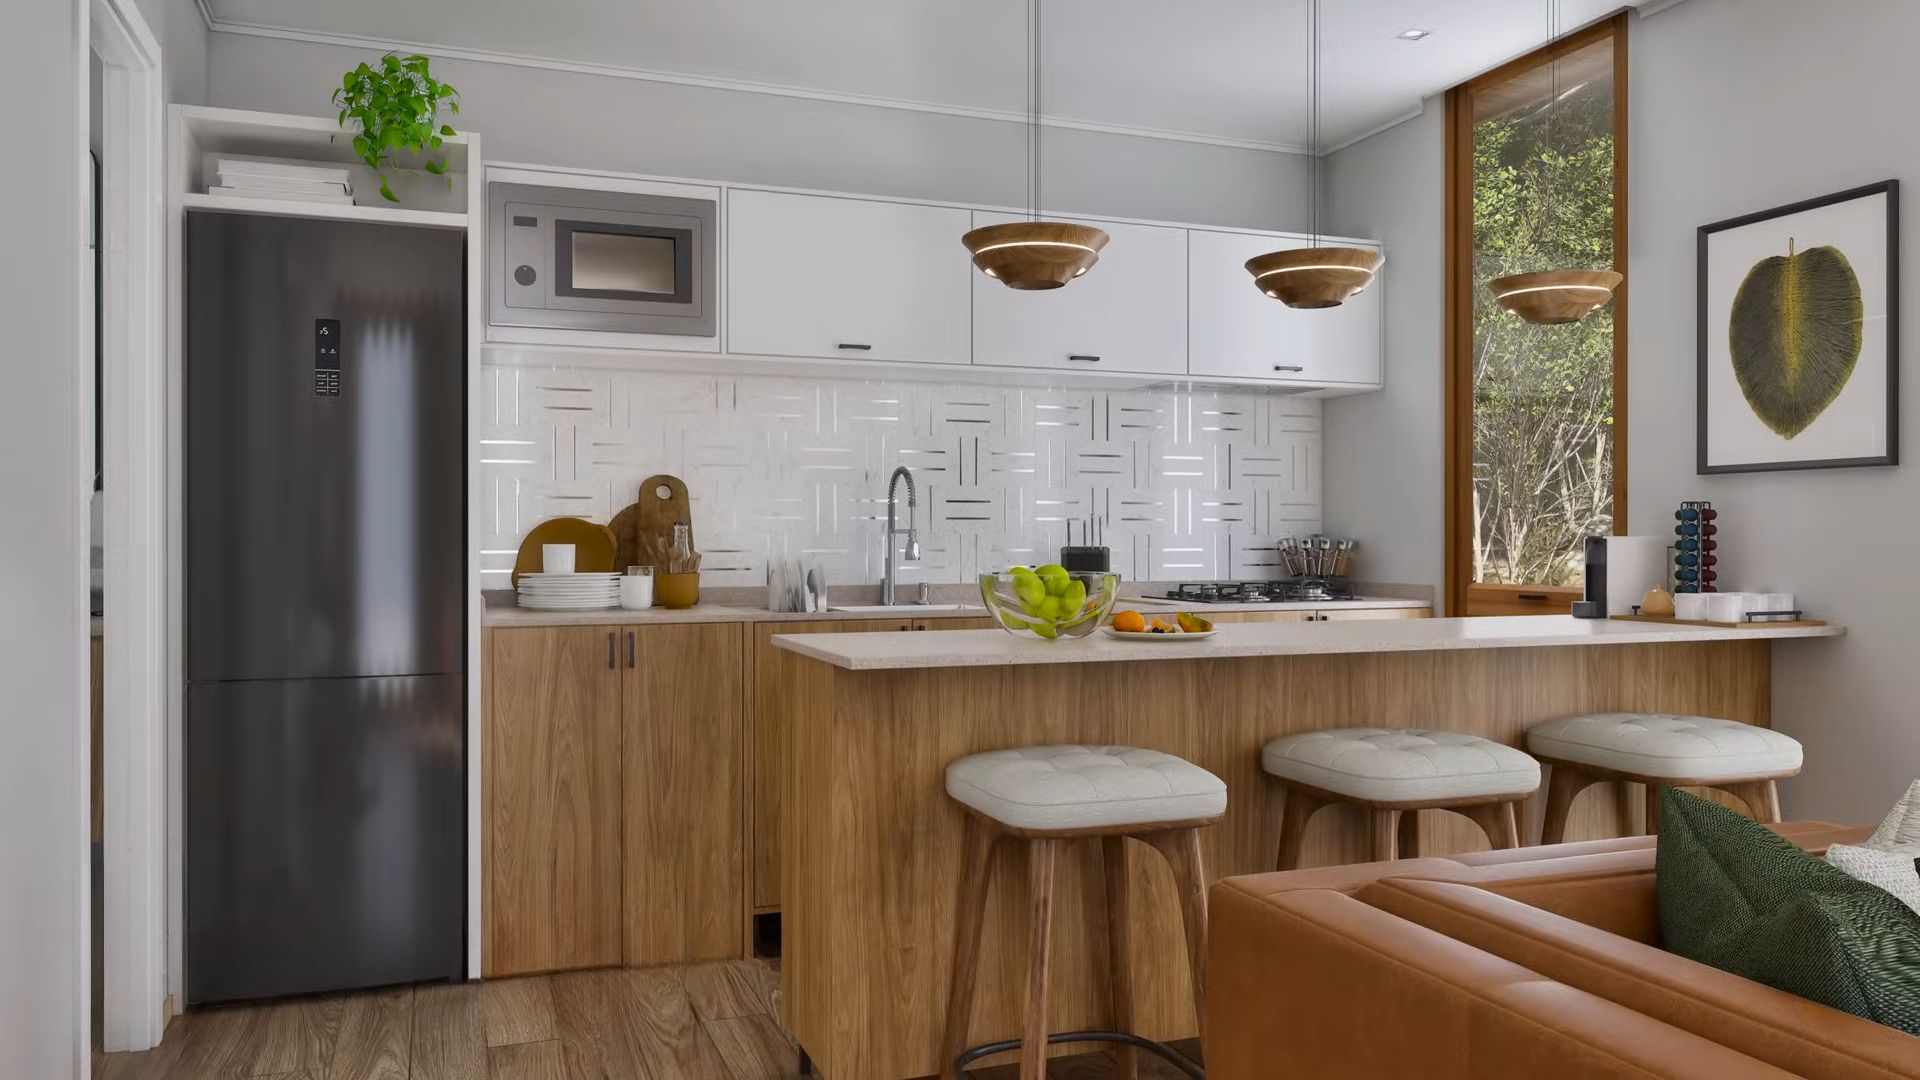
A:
[500,612]
[997,648]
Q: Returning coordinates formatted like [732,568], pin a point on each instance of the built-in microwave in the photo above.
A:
[624,262]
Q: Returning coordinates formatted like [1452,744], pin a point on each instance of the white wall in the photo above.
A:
[604,122]
[43,549]
[182,33]
[1385,476]
[1739,106]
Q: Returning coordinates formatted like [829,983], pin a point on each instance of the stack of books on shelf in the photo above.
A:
[268,178]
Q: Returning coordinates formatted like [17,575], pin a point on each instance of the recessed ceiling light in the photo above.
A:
[1415,34]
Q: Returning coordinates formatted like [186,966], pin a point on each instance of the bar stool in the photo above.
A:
[1046,796]
[1652,749]
[1394,774]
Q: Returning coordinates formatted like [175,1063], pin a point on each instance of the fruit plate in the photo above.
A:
[1148,635]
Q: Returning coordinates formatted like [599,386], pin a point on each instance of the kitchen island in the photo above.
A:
[873,843]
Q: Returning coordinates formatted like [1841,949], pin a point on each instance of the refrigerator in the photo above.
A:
[324,744]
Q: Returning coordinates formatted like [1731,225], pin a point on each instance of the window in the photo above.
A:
[1536,415]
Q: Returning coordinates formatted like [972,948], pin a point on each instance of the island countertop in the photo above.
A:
[996,648]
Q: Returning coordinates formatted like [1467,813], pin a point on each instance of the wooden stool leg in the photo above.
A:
[1182,850]
[1300,808]
[970,912]
[1386,834]
[1497,821]
[1409,834]
[1762,798]
[1652,793]
[1563,785]
[1113,852]
[1042,856]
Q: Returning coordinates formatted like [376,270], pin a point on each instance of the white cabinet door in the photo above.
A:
[811,275]
[1129,313]
[1235,330]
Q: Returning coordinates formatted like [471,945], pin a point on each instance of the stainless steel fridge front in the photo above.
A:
[325,394]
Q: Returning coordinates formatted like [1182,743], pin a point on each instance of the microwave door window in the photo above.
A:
[617,262]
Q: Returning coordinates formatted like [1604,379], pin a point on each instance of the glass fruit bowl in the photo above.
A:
[1049,602]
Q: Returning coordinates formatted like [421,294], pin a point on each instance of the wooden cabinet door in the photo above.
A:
[551,800]
[854,279]
[1221,617]
[1128,314]
[683,722]
[772,690]
[958,622]
[1234,330]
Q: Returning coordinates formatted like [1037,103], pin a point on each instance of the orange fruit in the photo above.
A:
[1130,622]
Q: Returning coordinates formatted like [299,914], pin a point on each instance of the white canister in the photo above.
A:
[1690,606]
[1775,601]
[636,588]
[556,558]
[1728,607]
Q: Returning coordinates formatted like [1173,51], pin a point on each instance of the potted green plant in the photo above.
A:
[396,107]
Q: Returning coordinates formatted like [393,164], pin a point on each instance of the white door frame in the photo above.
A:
[133,459]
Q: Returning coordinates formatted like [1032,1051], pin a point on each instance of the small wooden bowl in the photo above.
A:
[1314,277]
[1035,254]
[1555,297]
[676,590]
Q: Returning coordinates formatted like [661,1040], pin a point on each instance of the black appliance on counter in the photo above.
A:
[326,596]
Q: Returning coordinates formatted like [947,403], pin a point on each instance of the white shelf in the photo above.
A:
[388,215]
[308,138]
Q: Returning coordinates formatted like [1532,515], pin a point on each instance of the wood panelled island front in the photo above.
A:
[872,842]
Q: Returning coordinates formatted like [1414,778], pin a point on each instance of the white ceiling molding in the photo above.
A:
[1655,7]
[1413,114]
[487,56]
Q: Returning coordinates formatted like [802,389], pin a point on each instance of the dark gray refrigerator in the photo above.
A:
[326,624]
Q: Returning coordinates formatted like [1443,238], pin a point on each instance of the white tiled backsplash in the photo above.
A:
[1191,485]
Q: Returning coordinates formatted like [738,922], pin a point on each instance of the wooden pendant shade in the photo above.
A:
[1555,297]
[1314,277]
[1035,254]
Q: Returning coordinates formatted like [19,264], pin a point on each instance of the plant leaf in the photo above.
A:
[447,129]
[385,191]
[1795,334]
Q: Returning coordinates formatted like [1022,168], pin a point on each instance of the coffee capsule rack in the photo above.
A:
[1696,545]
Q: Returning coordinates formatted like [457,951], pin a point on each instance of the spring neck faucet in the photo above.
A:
[887,579]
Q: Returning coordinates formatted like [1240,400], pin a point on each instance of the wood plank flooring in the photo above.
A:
[716,1021]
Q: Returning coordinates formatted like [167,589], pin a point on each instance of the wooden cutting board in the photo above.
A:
[645,529]
[593,546]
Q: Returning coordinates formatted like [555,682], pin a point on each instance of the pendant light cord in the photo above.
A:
[1313,123]
[1033,110]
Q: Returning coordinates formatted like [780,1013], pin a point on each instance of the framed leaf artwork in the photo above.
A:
[1800,335]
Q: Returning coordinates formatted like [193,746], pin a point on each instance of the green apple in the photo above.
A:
[1028,586]
[1056,578]
[1074,598]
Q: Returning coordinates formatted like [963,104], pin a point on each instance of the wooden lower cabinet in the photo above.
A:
[1365,614]
[683,719]
[612,792]
[551,791]
[1221,618]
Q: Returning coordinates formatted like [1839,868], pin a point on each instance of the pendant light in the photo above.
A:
[1034,254]
[1554,297]
[1314,276]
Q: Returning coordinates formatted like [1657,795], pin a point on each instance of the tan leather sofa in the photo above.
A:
[1535,962]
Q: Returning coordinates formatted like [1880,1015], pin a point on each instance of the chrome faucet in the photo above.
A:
[893,529]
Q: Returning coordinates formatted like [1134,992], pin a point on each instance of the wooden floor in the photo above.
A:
[702,1022]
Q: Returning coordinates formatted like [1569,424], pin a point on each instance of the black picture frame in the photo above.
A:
[1889,188]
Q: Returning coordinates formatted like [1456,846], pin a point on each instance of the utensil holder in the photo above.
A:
[676,590]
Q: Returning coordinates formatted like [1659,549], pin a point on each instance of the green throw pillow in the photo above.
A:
[1736,896]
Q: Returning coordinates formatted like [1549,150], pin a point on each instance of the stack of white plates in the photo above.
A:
[569,592]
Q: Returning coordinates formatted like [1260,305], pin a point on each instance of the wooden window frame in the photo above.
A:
[1463,597]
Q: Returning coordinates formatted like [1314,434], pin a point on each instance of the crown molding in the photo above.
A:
[487,56]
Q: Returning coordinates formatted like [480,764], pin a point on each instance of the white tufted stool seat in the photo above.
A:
[1055,788]
[1046,797]
[1661,748]
[1396,773]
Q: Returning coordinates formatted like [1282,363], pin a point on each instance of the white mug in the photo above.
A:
[556,558]
[636,588]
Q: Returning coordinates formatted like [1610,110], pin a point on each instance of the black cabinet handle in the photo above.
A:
[630,653]
[1084,359]
[1533,597]
[1288,367]
[855,346]
[611,663]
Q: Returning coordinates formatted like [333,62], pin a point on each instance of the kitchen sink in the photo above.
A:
[903,609]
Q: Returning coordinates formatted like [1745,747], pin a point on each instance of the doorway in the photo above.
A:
[126,439]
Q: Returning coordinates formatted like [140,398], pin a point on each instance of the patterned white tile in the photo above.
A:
[1188,484]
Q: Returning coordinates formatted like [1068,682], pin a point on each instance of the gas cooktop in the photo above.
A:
[1304,590]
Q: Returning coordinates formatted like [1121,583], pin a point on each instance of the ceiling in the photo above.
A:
[1233,71]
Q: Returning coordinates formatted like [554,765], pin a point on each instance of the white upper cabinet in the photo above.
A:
[812,275]
[1236,331]
[1126,314]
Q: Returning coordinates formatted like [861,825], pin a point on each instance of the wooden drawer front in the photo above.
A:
[1359,614]
[551,800]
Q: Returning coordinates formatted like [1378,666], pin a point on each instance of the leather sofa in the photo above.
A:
[1538,961]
